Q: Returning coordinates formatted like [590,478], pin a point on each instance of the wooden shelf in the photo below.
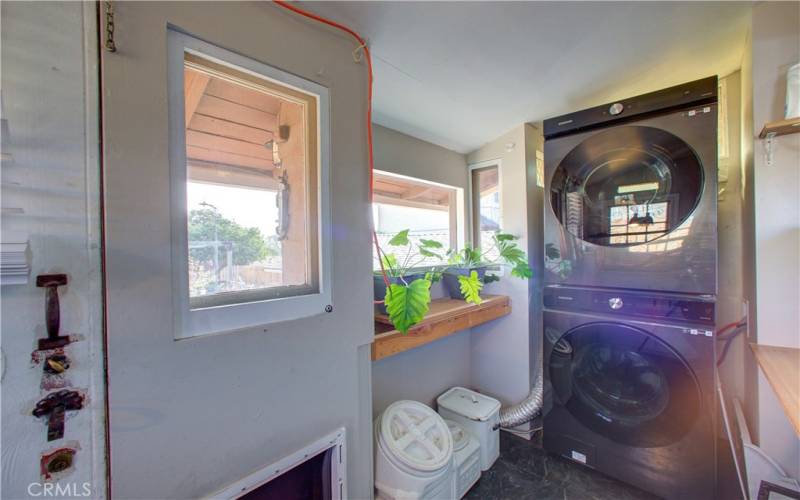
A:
[780,127]
[445,317]
[781,365]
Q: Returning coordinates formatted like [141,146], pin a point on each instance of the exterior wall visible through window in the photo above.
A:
[426,209]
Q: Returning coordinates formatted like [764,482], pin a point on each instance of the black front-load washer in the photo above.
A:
[629,387]
[632,193]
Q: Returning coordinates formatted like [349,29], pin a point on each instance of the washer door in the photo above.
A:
[626,185]
[624,384]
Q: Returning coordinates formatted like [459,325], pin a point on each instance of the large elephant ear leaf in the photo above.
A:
[408,304]
[471,287]
[400,239]
[511,254]
[505,237]
[430,243]
[427,253]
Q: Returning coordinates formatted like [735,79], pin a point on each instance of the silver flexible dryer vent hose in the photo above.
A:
[526,410]
[530,407]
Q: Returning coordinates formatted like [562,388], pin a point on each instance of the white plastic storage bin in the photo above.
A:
[413,454]
[466,458]
[477,413]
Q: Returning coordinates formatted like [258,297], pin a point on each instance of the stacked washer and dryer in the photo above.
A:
[630,288]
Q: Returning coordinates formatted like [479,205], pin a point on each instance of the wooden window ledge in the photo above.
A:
[781,365]
[780,127]
[445,317]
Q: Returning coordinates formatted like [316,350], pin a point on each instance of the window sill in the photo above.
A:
[446,317]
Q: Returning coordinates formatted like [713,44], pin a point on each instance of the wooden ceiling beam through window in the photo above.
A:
[227,145]
[211,155]
[225,128]
[194,83]
[379,197]
[231,175]
[237,113]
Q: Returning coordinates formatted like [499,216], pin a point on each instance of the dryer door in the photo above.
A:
[626,186]
[625,384]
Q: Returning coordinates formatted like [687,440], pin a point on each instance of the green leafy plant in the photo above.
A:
[407,300]
[471,287]
[408,303]
[415,254]
[503,250]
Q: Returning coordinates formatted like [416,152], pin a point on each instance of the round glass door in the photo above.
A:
[626,186]
[625,384]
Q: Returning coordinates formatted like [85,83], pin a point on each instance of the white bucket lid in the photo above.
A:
[469,404]
[416,435]
[459,434]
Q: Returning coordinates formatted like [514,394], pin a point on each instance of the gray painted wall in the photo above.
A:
[776,190]
[420,374]
[502,349]
[730,243]
[49,82]
[192,416]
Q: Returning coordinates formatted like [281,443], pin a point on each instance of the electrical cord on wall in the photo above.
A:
[737,328]
[357,57]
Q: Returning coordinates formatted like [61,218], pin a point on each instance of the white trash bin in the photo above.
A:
[477,413]
[466,458]
[413,454]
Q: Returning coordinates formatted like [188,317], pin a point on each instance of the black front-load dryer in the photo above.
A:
[631,193]
[629,387]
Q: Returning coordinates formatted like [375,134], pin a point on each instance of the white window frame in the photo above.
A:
[190,322]
[459,234]
[471,210]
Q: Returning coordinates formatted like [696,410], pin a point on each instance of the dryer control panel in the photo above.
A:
[630,303]
[679,96]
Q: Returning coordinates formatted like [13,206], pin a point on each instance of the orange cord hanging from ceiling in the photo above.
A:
[362,45]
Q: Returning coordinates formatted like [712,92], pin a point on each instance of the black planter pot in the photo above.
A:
[450,279]
[379,287]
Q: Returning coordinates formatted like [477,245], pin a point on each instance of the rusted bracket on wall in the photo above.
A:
[54,406]
[52,310]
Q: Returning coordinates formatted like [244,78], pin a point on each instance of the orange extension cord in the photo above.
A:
[362,44]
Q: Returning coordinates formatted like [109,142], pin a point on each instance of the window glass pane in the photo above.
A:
[251,173]
[426,210]
[486,214]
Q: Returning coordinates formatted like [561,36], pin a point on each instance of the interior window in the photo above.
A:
[251,159]
[485,207]
[427,210]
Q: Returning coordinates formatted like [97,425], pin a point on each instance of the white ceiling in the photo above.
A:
[460,74]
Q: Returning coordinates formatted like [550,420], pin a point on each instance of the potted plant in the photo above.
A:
[403,289]
[466,273]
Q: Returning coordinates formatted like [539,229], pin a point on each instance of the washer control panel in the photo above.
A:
[642,304]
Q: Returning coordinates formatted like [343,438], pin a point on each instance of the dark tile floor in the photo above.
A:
[525,471]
